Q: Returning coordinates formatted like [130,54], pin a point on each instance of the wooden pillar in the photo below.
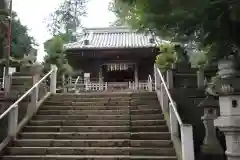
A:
[136,76]
[101,75]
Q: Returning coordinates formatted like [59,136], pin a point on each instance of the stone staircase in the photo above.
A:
[21,82]
[94,126]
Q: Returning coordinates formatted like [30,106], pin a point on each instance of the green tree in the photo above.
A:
[55,54]
[21,42]
[208,23]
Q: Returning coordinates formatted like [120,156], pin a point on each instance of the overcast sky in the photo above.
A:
[33,12]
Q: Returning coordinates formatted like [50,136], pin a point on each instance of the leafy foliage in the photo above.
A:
[67,17]
[210,23]
[200,59]
[55,54]
[166,57]
[21,42]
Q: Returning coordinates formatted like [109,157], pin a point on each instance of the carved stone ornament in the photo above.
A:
[227,81]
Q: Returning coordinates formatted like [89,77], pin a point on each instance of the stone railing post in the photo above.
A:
[170,79]
[164,99]
[7,84]
[187,142]
[13,122]
[173,122]
[157,78]
[150,88]
[200,78]
[34,95]
[106,86]
[53,79]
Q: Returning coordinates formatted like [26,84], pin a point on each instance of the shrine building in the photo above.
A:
[114,54]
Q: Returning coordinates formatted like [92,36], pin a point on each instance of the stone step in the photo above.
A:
[151,143]
[99,117]
[96,135]
[97,107]
[147,116]
[71,103]
[106,94]
[151,136]
[21,86]
[95,128]
[92,143]
[72,143]
[79,122]
[86,157]
[145,111]
[87,99]
[162,128]
[22,81]
[148,122]
[90,151]
[76,129]
[95,123]
[189,92]
[83,112]
[100,103]
[82,117]
[99,112]
[22,74]
[75,135]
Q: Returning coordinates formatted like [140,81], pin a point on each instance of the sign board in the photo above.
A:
[10,71]
[86,75]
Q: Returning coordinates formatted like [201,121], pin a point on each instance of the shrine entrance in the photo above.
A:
[119,76]
[118,72]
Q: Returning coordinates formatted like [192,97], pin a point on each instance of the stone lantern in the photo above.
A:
[228,89]
[211,147]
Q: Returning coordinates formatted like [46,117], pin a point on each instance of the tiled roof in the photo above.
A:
[112,37]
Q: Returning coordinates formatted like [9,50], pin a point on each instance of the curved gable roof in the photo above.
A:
[112,37]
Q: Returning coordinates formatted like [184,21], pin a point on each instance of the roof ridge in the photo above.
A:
[114,29]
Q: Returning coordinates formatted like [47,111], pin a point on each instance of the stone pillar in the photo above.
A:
[53,79]
[229,123]
[211,147]
[200,78]
[136,76]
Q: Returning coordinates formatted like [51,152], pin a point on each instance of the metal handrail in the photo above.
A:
[170,98]
[15,104]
